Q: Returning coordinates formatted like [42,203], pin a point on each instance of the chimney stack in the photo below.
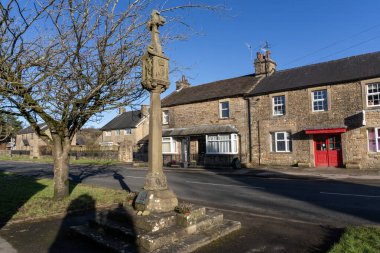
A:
[181,84]
[121,110]
[144,110]
[264,65]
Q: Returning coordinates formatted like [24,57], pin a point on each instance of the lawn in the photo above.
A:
[358,240]
[25,197]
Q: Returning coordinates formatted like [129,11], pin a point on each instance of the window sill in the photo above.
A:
[222,153]
[374,107]
[279,153]
[320,111]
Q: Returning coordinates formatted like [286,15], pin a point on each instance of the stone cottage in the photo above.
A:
[207,124]
[320,115]
[125,131]
[27,140]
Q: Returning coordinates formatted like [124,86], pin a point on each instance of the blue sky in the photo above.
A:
[299,32]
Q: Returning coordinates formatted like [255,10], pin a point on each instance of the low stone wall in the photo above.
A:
[5,153]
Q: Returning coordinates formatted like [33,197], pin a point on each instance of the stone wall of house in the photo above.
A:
[359,155]
[345,101]
[35,143]
[138,133]
[207,113]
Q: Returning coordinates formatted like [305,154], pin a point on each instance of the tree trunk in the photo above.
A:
[61,149]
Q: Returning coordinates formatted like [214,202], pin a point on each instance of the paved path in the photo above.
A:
[5,247]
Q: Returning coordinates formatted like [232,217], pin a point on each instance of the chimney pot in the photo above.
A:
[144,110]
[121,110]
[264,65]
[183,83]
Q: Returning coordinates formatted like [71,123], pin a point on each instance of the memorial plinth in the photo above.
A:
[156,197]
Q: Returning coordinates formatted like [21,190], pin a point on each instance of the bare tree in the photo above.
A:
[64,61]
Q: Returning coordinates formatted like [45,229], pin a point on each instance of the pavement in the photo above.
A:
[291,172]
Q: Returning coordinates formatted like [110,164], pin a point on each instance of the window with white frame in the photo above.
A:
[165,117]
[127,131]
[278,105]
[373,94]
[374,139]
[281,142]
[117,132]
[107,133]
[320,102]
[168,145]
[224,109]
[222,144]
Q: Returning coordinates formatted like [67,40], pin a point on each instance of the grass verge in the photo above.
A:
[28,198]
[358,239]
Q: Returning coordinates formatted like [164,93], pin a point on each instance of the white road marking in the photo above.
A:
[226,185]
[347,194]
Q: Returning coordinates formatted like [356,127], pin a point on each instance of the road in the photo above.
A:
[331,202]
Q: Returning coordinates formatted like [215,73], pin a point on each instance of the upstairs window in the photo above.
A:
[374,140]
[281,142]
[222,144]
[107,133]
[278,105]
[224,109]
[320,102]
[117,132]
[127,131]
[165,117]
[373,94]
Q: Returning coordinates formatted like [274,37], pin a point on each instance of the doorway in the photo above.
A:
[328,150]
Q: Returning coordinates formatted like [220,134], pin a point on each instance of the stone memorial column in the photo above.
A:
[156,197]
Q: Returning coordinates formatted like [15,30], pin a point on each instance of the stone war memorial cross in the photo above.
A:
[156,196]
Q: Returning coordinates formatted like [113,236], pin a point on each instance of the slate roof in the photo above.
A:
[196,130]
[220,89]
[199,130]
[348,69]
[128,119]
[29,130]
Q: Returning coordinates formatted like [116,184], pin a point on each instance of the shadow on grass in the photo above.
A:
[82,211]
[12,196]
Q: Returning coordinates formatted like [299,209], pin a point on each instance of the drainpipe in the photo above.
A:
[239,140]
[249,130]
[258,140]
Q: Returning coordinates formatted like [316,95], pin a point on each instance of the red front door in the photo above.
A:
[328,150]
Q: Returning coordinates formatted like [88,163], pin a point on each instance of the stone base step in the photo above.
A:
[110,243]
[201,239]
[169,232]
[154,240]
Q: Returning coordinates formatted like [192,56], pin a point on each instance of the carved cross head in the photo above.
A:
[156,20]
